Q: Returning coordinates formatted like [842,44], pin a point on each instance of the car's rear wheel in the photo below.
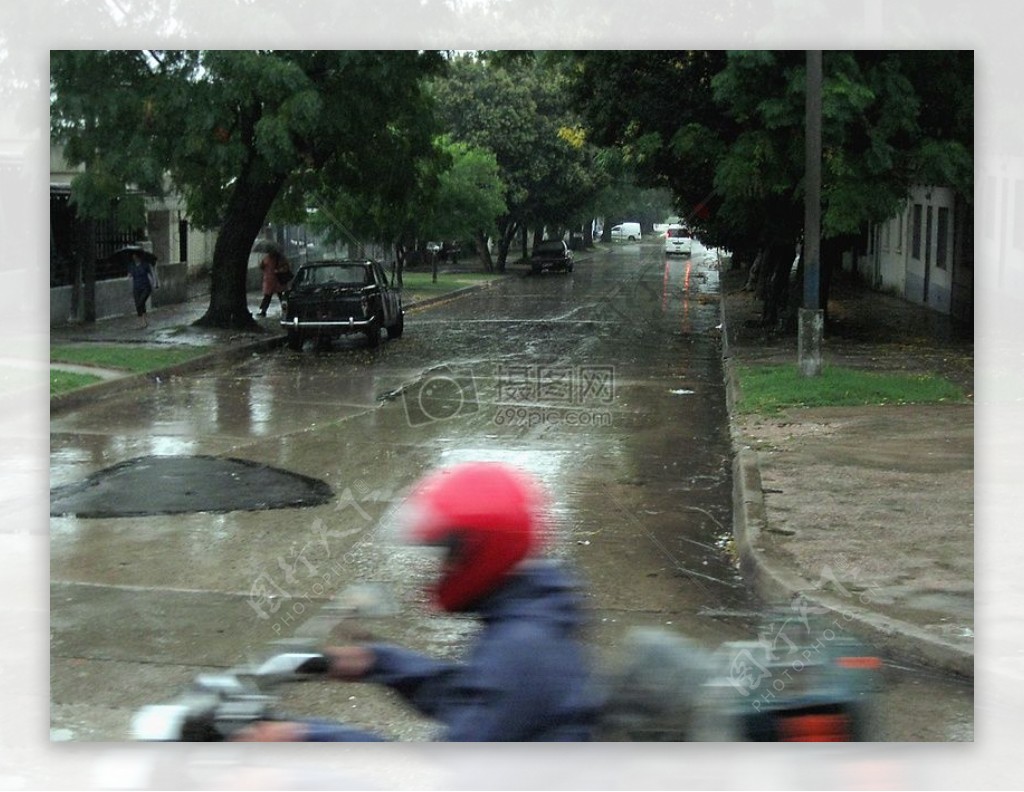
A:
[396,330]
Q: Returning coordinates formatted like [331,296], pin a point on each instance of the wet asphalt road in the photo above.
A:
[607,383]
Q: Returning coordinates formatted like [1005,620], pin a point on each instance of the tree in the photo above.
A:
[240,133]
[515,106]
[449,195]
[877,143]
[470,195]
[725,133]
[648,106]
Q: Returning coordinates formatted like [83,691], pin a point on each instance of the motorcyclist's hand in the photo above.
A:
[271,731]
[350,662]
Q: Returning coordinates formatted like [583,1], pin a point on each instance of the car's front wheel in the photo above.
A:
[396,330]
[373,333]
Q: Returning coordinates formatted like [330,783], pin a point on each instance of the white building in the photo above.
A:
[925,254]
[182,252]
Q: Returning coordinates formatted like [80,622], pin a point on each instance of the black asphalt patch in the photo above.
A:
[186,484]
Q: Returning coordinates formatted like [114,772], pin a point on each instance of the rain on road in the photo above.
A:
[607,383]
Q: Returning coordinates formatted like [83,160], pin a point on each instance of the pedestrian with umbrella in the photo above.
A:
[142,273]
[276,274]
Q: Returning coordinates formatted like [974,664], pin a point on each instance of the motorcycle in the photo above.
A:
[800,680]
[216,706]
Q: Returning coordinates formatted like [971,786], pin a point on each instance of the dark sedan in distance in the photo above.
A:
[551,254]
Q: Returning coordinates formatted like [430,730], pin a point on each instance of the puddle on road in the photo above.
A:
[185,484]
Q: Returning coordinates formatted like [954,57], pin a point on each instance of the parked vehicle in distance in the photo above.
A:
[674,220]
[626,232]
[551,254]
[327,299]
[678,240]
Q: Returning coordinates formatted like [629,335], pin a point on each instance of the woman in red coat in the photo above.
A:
[274,266]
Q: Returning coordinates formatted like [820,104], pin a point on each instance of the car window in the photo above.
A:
[337,276]
[550,246]
[678,232]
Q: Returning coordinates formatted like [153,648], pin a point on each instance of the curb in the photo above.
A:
[891,636]
[440,298]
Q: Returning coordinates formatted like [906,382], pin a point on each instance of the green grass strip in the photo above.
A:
[765,389]
[127,357]
[64,381]
[420,282]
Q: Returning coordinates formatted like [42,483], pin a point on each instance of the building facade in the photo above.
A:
[925,253]
[183,253]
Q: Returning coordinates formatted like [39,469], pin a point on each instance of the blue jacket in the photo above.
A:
[526,678]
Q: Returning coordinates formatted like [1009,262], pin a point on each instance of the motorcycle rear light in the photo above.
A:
[815,728]
[859,663]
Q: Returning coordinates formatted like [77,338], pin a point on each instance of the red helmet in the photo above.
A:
[488,517]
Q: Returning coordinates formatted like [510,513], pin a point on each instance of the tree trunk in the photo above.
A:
[246,211]
[507,234]
[755,272]
[586,229]
[484,252]
[832,261]
[777,265]
[84,291]
[398,268]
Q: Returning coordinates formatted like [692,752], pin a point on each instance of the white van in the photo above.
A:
[629,232]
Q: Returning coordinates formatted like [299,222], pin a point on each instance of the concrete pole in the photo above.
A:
[811,317]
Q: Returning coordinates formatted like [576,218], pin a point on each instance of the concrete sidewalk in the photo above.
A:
[867,511]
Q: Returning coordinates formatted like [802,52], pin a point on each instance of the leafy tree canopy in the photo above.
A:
[239,133]
[516,106]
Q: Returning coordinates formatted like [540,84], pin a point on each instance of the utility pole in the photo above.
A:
[811,317]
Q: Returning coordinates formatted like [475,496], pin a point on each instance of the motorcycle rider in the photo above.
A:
[526,677]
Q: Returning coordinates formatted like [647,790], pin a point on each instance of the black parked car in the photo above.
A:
[552,254]
[326,299]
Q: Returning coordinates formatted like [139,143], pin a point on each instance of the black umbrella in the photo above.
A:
[132,250]
[266,246]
